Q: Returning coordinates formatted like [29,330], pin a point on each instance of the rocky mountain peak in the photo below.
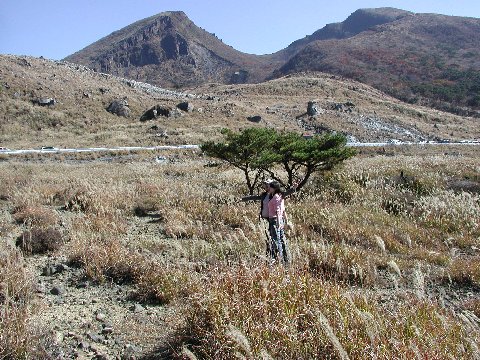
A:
[364,19]
[358,21]
[169,50]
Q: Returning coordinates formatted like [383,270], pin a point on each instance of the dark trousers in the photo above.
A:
[278,242]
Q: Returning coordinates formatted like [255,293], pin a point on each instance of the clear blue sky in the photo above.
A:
[57,28]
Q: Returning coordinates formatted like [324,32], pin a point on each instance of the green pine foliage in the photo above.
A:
[286,157]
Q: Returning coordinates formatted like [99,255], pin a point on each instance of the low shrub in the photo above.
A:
[37,216]
[342,264]
[159,284]
[465,271]
[40,241]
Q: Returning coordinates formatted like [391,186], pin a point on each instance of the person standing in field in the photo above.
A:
[264,198]
[277,221]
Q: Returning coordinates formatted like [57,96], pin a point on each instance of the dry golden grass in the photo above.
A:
[360,279]
[293,315]
[19,339]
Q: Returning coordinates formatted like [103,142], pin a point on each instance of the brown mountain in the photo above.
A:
[427,59]
[170,50]
[421,58]
[359,21]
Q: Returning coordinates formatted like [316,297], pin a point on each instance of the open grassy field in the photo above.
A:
[128,257]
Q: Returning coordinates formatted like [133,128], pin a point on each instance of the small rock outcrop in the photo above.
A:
[119,108]
[345,107]
[45,101]
[255,118]
[160,110]
[185,106]
[313,108]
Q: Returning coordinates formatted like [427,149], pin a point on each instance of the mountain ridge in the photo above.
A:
[384,47]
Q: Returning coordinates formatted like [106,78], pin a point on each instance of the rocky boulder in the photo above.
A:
[185,106]
[313,108]
[45,101]
[119,108]
[160,110]
[255,118]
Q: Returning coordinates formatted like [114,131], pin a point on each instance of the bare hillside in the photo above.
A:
[79,97]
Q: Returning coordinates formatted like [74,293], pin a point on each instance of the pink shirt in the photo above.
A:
[276,207]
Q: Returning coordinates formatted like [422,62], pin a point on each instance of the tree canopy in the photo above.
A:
[287,157]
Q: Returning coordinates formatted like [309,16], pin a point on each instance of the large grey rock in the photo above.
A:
[158,111]
[313,109]
[119,108]
[185,106]
[255,118]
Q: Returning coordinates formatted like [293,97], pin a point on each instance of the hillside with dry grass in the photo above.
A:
[79,116]
[119,256]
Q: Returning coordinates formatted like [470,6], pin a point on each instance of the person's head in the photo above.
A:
[274,188]
[266,184]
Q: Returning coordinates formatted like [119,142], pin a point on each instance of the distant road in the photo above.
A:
[401,143]
[97,149]
[179,147]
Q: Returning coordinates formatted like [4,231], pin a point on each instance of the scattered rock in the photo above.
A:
[59,337]
[40,288]
[49,270]
[137,308]
[162,134]
[119,108]
[57,290]
[185,106]
[255,118]
[101,356]
[82,284]
[345,107]
[313,108]
[159,110]
[94,337]
[83,345]
[129,352]
[45,101]
[107,330]
[61,268]
[100,317]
